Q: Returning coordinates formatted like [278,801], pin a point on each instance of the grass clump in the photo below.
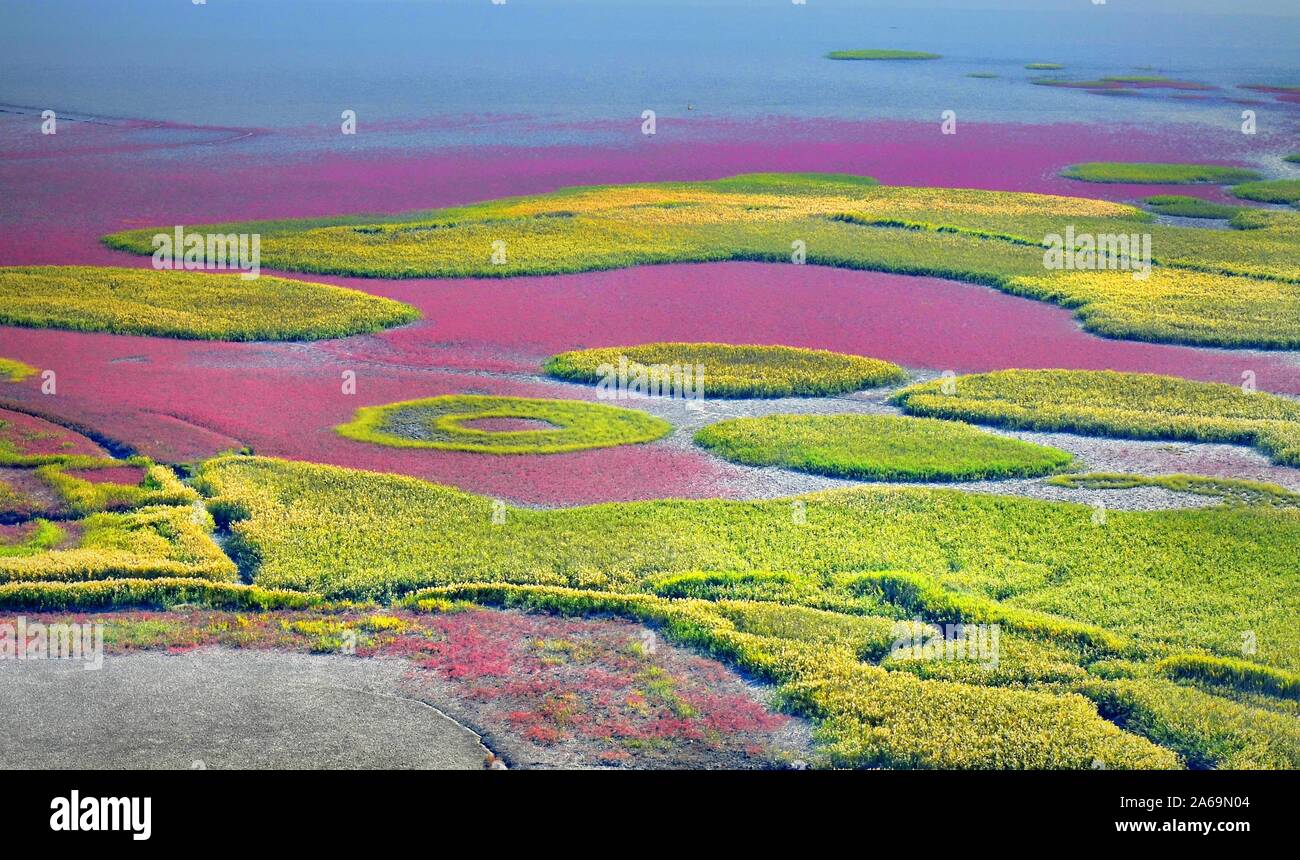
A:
[927,599]
[151,542]
[160,593]
[1182,206]
[1207,731]
[44,535]
[724,370]
[1175,306]
[80,496]
[439,422]
[768,586]
[12,370]
[1238,287]
[1238,674]
[1293,158]
[1124,405]
[1270,191]
[1146,173]
[878,447]
[189,304]
[1044,67]
[881,54]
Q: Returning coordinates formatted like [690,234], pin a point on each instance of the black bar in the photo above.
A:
[216,809]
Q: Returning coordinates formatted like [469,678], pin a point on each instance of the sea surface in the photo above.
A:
[541,71]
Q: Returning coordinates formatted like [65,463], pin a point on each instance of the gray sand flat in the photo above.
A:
[223,709]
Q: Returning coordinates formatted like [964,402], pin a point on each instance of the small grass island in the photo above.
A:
[881,54]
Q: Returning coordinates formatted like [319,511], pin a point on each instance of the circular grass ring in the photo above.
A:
[439,422]
[879,448]
[726,370]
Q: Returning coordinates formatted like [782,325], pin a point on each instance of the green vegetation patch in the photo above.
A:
[1124,405]
[1179,580]
[151,542]
[1270,191]
[1238,674]
[878,447]
[1293,158]
[14,371]
[881,54]
[724,370]
[1238,287]
[160,593]
[1207,731]
[80,495]
[1044,67]
[982,75]
[441,422]
[1146,173]
[1182,206]
[41,535]
[1086,611]
[189,304]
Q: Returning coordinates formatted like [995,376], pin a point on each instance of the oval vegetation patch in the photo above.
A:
[878,447]
[195,305]
[1119,405]
[724,370]
[456,423]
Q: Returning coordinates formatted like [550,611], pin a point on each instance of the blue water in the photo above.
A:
[289,63]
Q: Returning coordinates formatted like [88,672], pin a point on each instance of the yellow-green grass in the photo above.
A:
[867,716]
[1124,405]
[162,592]
[725,370]
[1044,67]
[439,422]
[1237,287]
[881,54]
[1225,671]
[79,496]
[150,542]
[878,447]
[44,535]
[189,304]
[1206,730]
[1182,206]
[1293,158]
[14,371]
[1270,191]
[1148,173]
[1172,580]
